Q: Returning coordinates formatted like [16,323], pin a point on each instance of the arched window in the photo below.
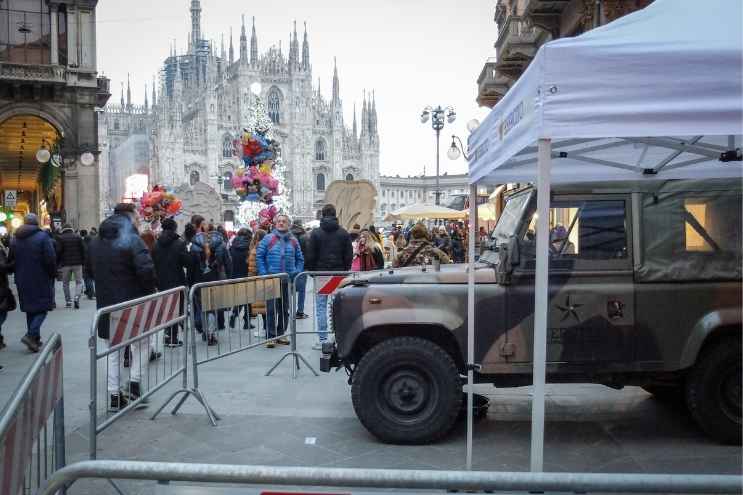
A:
[320,182]
[320,150]
[274,105]
[194,177]
[349,177]
[228,147]
[227,181]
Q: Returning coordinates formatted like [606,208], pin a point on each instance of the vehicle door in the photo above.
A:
[591,288]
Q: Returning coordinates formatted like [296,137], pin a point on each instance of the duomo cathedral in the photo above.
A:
[183,135]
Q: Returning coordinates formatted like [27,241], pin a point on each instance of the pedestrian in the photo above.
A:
[368,254]
[171,261]
[330,249]
[123,270]
[89,284]
[35,270]
[390,250]
[420,249]
[400,240]
[7,299]
[256,308]
[71,258]
[239,252]
[457,247]
[279,252]
[443,241]
[300,284]
[354,232]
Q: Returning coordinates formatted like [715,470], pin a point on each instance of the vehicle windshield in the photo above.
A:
[510,218]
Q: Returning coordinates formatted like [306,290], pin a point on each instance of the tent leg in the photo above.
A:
[541,304]
[471,318]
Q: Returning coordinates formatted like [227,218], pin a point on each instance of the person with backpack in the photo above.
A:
[239,251]
[214,265]
[71,258]
[279,252]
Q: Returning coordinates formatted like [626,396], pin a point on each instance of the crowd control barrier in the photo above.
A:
[32,434]
[136,331]
[213,334]
[324,284]
[398,479]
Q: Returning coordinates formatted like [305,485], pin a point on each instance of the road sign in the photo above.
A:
[10,197]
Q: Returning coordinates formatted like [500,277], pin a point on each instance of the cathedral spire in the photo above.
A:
[253,46]
[293,49]
[222,51]
[128,92]
[243,44]
[355,129]
[232,49]
[122,96]
[373,116]
[146,102]
[154,92]
[336,83]
[195,24]
[364,118]
[305,51]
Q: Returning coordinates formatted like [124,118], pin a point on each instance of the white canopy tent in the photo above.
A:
[425,211]
[655,95]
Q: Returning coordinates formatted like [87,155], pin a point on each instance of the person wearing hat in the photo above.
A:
[419,249]
[35,259]
[71,258]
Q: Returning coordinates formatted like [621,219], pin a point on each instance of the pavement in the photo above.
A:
[309,421]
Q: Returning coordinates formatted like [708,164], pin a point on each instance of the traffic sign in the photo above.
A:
[10,197]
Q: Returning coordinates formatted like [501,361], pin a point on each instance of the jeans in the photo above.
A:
[301,284]
[282,307]
[321,311]
[34,321]
[89,286]
[67,273]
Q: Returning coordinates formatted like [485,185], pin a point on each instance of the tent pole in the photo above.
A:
[471,317]
[541,304]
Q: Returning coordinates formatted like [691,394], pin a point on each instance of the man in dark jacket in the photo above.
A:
[330,249]
[239,251]
[123,270]
[300,283]
[71,258]
[171,261]
[35,269]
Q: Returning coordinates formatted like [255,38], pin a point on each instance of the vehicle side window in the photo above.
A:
[584,230]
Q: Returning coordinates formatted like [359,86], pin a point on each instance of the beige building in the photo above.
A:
[525,25]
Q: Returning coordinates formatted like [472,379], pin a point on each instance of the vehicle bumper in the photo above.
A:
[329,358]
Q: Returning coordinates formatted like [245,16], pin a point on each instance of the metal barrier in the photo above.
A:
[206,301]
[133,327]
[398,478]
[36,407]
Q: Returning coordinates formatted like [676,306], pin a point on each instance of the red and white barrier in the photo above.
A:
[131,322]
[37,404]
[328,285]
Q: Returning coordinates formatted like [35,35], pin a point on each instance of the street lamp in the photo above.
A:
[439,116]
[456,151]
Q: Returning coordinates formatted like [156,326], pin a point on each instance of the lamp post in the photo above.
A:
[439,116]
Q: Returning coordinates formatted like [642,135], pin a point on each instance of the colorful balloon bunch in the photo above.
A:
[265,218]
[159,204]
[255,181]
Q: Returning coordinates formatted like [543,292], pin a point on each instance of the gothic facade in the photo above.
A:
[201,101]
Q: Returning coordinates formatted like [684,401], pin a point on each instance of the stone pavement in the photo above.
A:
[310,421]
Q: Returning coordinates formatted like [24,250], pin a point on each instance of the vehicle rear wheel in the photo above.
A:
[713,391]
[407,390]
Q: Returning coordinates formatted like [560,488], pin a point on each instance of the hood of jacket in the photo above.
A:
[25,231]
[114,226]
[167,237]
[329,224]
[298,231]
[67,230]
[241,243]
[215,240]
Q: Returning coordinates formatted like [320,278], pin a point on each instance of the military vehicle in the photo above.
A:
[644,290]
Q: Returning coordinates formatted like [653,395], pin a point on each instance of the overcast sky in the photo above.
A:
[412,53]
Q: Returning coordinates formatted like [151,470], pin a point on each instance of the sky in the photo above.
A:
[411,53]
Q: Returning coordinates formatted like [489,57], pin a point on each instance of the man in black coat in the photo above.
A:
[239,250]
[171,261]
[71,258]
[123,270]
[329,249]
[35,269]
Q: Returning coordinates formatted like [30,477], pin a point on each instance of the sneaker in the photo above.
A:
[68,304]
[302,316]
[30,342]
[283,341]
[212,340]
[117,402]
[77,304]
[270,345]
[154,355]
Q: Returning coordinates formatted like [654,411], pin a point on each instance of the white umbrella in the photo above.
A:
[417,210]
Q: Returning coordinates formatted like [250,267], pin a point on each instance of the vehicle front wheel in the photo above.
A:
[407,390]
[713,391]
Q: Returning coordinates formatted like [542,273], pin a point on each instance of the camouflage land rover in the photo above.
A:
[645,289]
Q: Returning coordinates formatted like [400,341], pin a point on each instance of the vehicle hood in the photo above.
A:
[449,274]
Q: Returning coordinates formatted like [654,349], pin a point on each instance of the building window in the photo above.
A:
[320,150]
[228,147]
[229,216]
[320,182]
[349,177]
[194,177]
[25,31]
[227,181]
[384,193]
[274,105]
[116,125]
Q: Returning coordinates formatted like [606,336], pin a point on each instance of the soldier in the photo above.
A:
[419,249]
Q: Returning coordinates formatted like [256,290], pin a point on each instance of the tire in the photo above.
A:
[666,393]
[713,391]
[407,390]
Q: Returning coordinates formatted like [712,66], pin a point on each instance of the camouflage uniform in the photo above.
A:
[428,251]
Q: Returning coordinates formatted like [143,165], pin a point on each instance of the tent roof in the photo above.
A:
[418,210]
[657,89]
